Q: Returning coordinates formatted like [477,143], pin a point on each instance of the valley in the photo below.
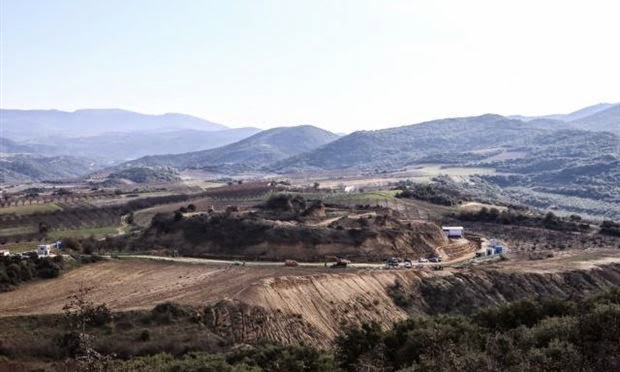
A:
[303,186]
[299,238]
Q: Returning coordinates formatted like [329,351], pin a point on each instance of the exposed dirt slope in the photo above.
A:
[307,305]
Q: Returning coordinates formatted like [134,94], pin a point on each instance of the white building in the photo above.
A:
[4,252]
[44,250]
[453,231]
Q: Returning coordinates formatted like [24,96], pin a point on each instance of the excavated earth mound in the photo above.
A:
[365,238]
[302,305]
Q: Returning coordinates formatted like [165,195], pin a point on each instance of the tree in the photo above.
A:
[43,228]
[79,313]
[130,218]
[178,216]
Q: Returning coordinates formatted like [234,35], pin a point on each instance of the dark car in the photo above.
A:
[435,259]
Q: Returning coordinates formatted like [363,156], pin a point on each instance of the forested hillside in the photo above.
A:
[251,153]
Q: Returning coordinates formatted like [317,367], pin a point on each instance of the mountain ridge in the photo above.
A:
[250,153]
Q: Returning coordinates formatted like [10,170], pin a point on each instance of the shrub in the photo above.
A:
[431,193]
[169,312]
[145,335]
[610,228]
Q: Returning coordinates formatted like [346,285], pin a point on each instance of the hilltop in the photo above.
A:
[604,120]
[251,153]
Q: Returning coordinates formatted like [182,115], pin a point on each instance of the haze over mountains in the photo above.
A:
[29,124]
[599,117]
[107,137]
[95,139]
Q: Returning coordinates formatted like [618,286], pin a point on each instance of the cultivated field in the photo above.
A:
[30,209]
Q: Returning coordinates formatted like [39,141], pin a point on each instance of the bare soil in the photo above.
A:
[323,301]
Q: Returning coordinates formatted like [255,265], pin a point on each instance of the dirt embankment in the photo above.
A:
[332,303]
[293,305]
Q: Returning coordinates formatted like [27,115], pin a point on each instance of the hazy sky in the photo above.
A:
[340,65]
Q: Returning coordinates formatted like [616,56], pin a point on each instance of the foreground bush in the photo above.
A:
[545,335]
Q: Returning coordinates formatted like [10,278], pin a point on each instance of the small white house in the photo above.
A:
[4,252]
[453,231]
[349,189]
[44,250]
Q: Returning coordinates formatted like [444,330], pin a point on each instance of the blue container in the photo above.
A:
[498,249]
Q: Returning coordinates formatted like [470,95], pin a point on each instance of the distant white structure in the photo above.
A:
[44,250]
[349,189]
[4,252]
[453,231]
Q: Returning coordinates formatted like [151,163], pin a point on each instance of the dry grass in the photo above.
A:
[30,209]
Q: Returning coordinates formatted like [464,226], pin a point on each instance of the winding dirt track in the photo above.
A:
[136,283]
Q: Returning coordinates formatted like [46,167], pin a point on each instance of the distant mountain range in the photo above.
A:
[575,115]
[602,117]
[31,124]
[111,136]
[114,147]
[173,141]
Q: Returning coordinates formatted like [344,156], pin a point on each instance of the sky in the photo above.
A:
[339,65]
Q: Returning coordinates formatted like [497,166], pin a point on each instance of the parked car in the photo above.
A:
[422,260]
[392,263]
[435,259]
[408,264]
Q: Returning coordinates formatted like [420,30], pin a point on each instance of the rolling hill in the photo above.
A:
[27,168]
[249,154]
[575,171]
[395,147]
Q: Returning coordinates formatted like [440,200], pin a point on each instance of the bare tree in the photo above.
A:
[80,312]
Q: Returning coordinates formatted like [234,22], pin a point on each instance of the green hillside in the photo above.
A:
[251,153]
